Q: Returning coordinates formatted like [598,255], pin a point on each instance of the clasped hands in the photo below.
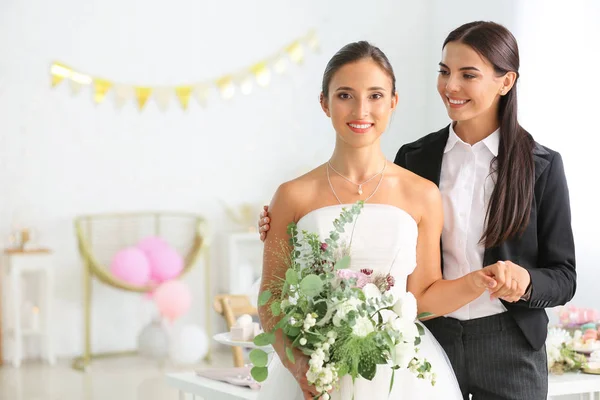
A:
[504,280]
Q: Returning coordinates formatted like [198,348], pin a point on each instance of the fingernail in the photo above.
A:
[491,284]
[265,220]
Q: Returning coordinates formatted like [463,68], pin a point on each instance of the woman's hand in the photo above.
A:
[481,280]
[512,280]
[299,370]
[263,223]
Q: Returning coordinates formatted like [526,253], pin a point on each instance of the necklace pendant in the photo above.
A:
[360,189]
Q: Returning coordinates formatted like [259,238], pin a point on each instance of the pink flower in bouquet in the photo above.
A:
[362,280]
[366,271]
[346,274]
[324,246]
[391,281]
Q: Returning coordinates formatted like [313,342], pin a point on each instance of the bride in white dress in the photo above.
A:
[397,232]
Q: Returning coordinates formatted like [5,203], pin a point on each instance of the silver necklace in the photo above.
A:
[365,200]
[360,185]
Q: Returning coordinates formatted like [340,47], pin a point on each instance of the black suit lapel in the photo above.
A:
[426,159]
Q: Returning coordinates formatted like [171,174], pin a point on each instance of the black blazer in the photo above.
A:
[546,248]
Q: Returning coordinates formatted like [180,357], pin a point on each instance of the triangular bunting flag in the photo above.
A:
[142,94]
[101,87]
[162,96]
[183,94]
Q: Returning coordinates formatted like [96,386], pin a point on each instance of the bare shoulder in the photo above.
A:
[421,195]
[292,197]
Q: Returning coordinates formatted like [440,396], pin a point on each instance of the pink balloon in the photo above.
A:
[151,243]
[165,263]
[173,299]
[132,266]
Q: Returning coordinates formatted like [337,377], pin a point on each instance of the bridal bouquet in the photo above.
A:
[346,321]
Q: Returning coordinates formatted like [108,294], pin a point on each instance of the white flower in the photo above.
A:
[405,352]
[315,362]
[371,291]
[293,299]
[362,327]
[343,308]
[309,322]
[312,376]
[407,328]
[406,307]
[553,355]
[558,336]
[392,323]
[332,334]
[303,342]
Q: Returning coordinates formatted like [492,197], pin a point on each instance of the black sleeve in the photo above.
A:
[554,281]
[400,157]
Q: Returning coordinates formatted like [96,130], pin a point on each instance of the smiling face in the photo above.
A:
[360,102]
[468,84]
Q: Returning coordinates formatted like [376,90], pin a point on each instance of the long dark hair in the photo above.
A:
[510,204]
[353,52]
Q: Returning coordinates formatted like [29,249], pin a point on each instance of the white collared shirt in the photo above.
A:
[466,184]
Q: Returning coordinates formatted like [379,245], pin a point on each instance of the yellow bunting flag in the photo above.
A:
[183,94]
[225,85]
[296,52]
[101,86]
[261,73]
[58,72]
[142,94]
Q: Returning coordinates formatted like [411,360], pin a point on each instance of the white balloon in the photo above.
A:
[188,345]
[153,341]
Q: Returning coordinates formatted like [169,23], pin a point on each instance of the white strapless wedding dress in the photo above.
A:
[384,240]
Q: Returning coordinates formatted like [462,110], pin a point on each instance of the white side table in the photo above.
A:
[572,383]
[204,388]
[26,263]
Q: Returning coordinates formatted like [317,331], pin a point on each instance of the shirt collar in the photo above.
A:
[492,142]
